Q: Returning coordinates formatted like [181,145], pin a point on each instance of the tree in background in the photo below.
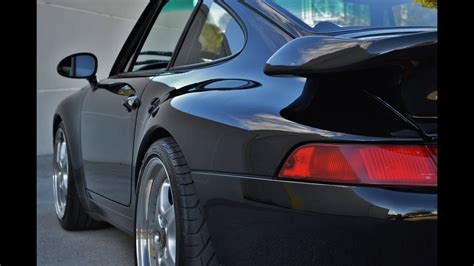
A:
[428,3]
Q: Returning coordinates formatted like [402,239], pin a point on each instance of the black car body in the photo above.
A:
[237,119]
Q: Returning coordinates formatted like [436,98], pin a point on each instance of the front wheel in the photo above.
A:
[68,208]
[170,228]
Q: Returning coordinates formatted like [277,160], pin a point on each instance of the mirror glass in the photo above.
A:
[78,66]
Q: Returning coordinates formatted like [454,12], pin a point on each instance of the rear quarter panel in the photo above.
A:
[236,130]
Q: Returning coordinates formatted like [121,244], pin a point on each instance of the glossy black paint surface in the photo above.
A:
[235,126]
[315,55]
[271,222]
[107,130]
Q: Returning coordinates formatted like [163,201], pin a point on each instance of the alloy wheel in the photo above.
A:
[155,220]
[60,173]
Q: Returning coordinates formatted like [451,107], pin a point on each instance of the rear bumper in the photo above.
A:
[255,221]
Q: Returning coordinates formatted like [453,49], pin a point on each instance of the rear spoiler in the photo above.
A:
[316,55]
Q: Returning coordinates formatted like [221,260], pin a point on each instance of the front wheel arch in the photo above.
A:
[76,163]
[56,121]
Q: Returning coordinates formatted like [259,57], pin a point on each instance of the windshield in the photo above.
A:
[331,15]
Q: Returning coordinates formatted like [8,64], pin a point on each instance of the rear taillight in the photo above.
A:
[398,165]
[434,152]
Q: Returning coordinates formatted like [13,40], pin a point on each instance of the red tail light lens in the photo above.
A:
[362,164]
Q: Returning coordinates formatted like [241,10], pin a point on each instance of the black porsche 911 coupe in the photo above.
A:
[259,132]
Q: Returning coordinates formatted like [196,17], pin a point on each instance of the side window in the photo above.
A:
[213,35]
[164,35]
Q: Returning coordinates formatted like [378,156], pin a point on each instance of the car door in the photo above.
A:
[109,112]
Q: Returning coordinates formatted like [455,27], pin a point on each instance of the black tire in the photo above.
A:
[194,246]
[74,218]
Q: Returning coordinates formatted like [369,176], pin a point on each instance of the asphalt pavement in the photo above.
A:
[56,246]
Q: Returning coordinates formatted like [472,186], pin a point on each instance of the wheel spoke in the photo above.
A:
[61,155]
[167,258]
[65,159]
[164,199]
[156,214]
[60,175]
[168,216]
[65,179]
[58,151]
[63,193]
[171,239]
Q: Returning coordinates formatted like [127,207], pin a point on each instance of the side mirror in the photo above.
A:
[79,66]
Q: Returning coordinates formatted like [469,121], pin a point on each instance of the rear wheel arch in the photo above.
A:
[193,242]
[149,138]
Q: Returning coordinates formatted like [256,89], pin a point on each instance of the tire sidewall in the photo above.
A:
[159,152]
[70,182]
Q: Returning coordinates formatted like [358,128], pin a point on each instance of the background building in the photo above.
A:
[65,27]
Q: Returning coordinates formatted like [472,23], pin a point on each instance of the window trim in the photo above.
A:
[234,16]
[171,67]
[137,45]
[123,58]
[143,37]
[178,44]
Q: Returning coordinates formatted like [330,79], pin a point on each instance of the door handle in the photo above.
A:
[131,103]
